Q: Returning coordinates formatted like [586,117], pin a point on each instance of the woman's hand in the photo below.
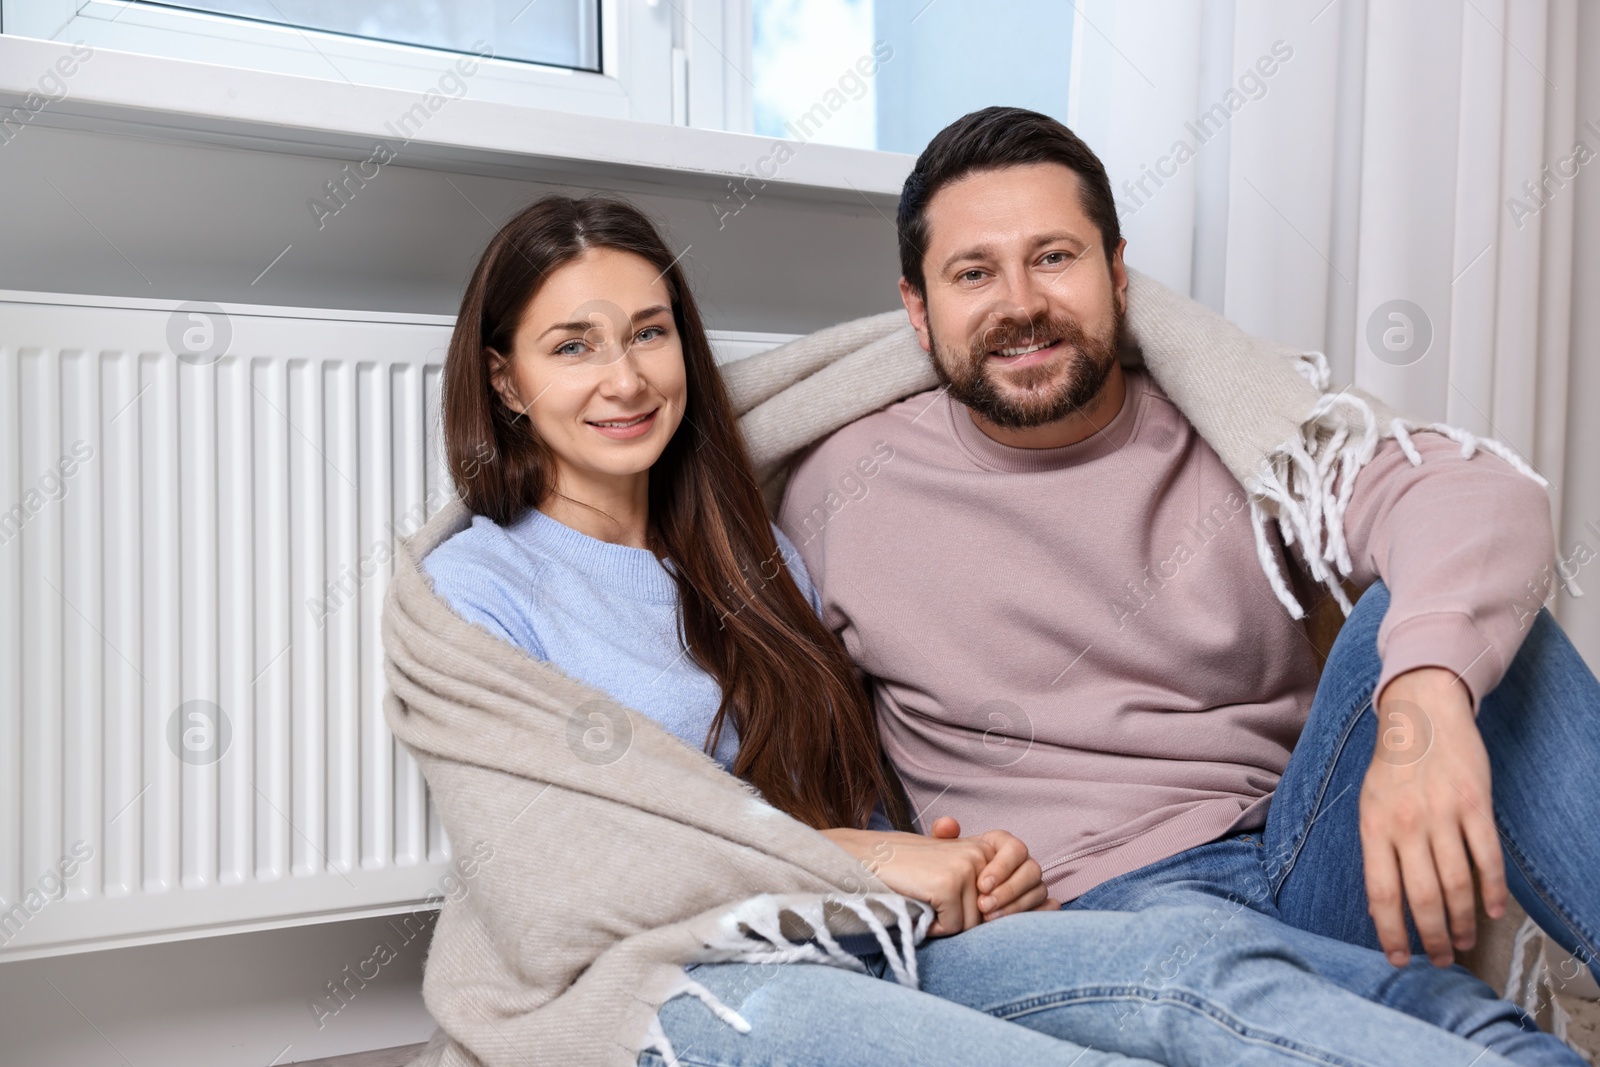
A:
[1011,881]
[966,880]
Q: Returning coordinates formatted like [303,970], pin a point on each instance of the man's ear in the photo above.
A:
[917,308]
[1119,274]
[500,378]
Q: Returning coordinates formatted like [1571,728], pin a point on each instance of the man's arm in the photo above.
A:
[1465,548]
[1463,545]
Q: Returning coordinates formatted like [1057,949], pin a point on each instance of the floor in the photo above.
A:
[398,1056]
[245,1000]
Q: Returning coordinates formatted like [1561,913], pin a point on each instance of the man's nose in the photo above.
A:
[1025,296]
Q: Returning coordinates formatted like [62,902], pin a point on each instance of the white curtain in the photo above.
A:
[1412,188]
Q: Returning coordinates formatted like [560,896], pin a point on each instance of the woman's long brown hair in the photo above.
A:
[808,739]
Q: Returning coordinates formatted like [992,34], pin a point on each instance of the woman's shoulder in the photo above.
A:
[487,575]
[484,546]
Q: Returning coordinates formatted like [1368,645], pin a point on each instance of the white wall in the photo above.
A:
[117,215]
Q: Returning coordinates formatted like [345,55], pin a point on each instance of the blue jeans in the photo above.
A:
[1541,726]
[1187,986]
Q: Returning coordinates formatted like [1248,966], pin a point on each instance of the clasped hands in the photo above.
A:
[966,880]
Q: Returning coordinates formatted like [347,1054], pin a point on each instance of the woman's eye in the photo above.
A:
[649,333]
[571,348]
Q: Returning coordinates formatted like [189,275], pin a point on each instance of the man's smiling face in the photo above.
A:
[1023,312]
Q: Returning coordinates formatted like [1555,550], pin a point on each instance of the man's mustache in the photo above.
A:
[1038,331]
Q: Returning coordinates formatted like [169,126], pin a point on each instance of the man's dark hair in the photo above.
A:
[988,140]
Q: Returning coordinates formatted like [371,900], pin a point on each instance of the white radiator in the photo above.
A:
[196,512]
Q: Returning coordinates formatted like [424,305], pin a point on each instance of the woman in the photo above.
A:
[619,534]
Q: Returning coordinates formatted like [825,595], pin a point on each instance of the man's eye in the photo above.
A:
[1056,258]
[970,275]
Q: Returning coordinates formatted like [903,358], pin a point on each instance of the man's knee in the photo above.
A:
[1371,606]
[1358,636]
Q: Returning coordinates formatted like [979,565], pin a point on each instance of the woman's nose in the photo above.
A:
[620,373]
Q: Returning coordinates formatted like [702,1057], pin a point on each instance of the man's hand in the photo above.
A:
[945,870]
[1425,807]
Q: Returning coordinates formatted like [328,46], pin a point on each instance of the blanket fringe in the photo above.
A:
[1307,482]
[762,917]
[656,1040]
[902,957]
[656,1037]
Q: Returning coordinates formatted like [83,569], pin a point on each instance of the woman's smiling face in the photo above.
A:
[597,367]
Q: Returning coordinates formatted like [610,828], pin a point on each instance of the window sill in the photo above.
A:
[170,99]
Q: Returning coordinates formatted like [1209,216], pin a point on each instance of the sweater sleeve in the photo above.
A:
[1463,545]
[478,587]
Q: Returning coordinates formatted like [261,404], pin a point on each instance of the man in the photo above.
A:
[1054,588]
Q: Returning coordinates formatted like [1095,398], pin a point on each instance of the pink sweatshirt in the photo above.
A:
[1078,644]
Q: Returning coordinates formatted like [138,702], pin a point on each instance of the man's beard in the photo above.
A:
[969,378]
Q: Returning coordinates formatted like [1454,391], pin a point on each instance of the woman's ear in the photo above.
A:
[500,379]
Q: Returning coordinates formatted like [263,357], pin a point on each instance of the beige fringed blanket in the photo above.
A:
[621,854]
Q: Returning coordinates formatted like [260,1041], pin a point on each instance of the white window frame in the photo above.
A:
[655,64]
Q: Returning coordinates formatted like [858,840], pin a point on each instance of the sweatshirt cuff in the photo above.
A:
[1447,639]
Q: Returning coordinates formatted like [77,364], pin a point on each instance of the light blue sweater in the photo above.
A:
[605,614]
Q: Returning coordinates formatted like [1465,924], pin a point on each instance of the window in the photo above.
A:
[889,74]
[559,33]
[617,58]
[873,74]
